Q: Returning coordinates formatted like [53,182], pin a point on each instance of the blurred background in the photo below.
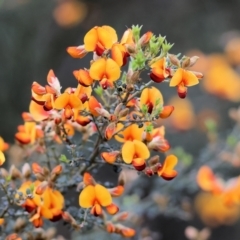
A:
[34,35]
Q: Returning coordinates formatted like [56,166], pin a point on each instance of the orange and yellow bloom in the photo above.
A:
[96,196]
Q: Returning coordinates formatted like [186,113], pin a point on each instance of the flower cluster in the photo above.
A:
[114,111]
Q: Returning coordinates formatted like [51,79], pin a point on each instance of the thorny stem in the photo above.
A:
[10,202]
[4,211]
[94,154]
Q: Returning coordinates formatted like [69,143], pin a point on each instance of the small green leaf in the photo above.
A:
[144,109]
[8,178]
[149,128]
[99,91]
[63,158]
[211,125]
[136,32]
[231,141]
[31,188]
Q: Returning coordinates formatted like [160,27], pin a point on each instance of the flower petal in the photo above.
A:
[2,158]
[141,149]
[189,78]
[87,197]
[90,40]
[109,157]
[74,101]
[97,69]
[112,70]
[37,112]
[177,78]
[207,180]
[128,152]
[103,196]
[62,101]
[167,171]
[112,209]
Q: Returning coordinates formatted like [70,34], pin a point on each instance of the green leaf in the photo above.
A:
[166,47]
[99,91]
[231,141]
[149,128]
[8,178]
[211,125]
[138,62]
[136,32]
[144,109]
[31,188]
[63,158]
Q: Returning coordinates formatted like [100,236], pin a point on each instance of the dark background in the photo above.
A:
[32,41]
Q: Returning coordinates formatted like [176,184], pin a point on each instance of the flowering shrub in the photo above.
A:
[110,117]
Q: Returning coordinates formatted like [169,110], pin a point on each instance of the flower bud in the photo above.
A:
[123,113]
[14,172]
[26,170]
[193,60]
[131,49]
[19,224]
[77,52]
[57,170]
[166,112]
[41,188]
[197,74]
[186,62]
[4,173]
[153,160]
[145,38]
[36,168]
[174,60]
[118,109]
[121,178]
[110,130]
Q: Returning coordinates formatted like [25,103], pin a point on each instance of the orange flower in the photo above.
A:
[2,158]
[127,37]
[1,221]
[167,171]
[83,77]
[28,133]
[208,181]
[3,145]
[166,112]
[68,102]
[183,79]
[228,190]
[110,157]
[151,97]
[100,38]
[135,151]
[37,112]
[44,96]
[214,212]
[119,54]
[215,79]
[159,71]
[77,52]
[94,106]
[48,205]
[183,118]
[130,133]
[95,197]
[158,142]
[106,71]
